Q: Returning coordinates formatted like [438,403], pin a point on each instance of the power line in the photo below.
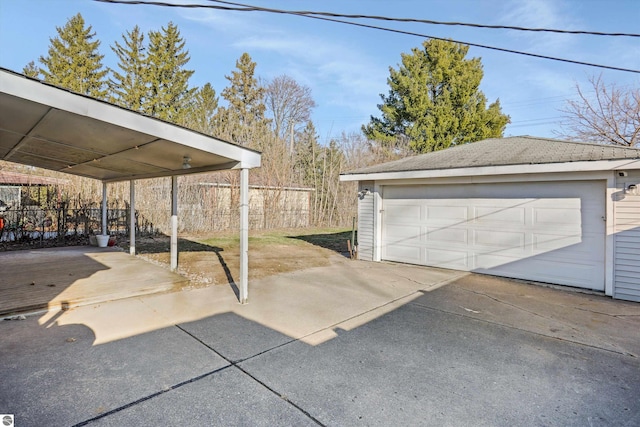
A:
[249,8]
[253,8]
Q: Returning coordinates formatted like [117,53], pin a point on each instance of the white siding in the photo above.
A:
[366,225]
[627,239]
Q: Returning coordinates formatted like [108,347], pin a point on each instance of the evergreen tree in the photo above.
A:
[129,88]
[307,155]
[434,101]
[31,70]
[73,60]
[169,93]
[202,111]
[243,120]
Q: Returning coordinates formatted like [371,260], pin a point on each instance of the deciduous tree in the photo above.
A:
[289,103]
[434,101]
[610,116]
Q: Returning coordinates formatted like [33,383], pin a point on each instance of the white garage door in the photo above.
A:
[550,232]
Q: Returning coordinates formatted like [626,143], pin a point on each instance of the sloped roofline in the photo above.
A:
[504,155]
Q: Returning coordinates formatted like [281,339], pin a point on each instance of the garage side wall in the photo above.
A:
[366,223]
[627,237]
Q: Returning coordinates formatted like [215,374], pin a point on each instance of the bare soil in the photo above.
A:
[214,260]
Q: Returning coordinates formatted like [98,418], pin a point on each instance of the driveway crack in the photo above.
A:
[236,364]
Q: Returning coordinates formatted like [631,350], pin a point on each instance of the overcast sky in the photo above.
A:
[346,66]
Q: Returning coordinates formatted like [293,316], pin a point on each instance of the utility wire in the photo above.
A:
[253,8]
[249,8]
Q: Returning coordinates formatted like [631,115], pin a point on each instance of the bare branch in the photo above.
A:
[610,116]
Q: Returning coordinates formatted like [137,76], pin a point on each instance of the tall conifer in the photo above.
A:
[243,120]
[434,101]
[129,88]
[73,60]
[169,92]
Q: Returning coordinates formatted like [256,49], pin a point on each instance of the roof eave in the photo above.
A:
[587,166]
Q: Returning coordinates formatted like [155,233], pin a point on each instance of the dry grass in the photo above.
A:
[214,260]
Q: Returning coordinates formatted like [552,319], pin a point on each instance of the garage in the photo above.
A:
[547,233]
[537,209]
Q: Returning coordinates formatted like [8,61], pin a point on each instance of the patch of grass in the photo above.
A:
[330,238]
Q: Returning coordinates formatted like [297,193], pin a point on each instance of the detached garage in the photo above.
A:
[529,208]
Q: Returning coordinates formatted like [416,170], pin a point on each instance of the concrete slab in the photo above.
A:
[589,319]
[419,366]
[55,375]
[226,398]
[55,278]
[355,343]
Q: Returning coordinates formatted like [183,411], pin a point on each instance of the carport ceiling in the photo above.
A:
[48,127]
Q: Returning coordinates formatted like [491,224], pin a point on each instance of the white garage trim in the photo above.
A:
[479,172]
[534,231]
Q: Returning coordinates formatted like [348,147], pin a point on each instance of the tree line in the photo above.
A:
[434,102]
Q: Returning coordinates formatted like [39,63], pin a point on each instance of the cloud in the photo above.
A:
[341,74]
[540,14]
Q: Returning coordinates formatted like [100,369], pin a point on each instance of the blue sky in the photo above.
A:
[346,67]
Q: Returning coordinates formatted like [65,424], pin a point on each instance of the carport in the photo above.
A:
[48,127]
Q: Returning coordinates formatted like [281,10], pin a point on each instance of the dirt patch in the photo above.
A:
[208,260]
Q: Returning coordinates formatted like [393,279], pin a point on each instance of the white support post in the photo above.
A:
[244,235]
[132,217]
[174,223]
[104,208]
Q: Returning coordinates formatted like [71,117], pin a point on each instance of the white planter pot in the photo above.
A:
[103,240]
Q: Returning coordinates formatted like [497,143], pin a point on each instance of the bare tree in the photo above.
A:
[610,116]
[289,102]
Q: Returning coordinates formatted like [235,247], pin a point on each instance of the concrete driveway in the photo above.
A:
[355,343]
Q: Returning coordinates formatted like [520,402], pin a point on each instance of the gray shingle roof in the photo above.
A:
[516,150]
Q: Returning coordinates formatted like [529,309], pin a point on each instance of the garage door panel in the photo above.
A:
[447,235]
[403,234]
[402,213]
[499,239]
[457,260]
[447,213]
[496,215]
[404,253]
[549,232]
[551,242]
[556,216]
[546,270]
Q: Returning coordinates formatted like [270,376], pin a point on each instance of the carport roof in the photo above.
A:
[52,128]
[517,150]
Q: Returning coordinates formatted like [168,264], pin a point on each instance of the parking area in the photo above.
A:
[67,277]
[355,343]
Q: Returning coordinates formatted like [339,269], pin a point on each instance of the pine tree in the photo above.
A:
[169,92]
[307,155]
[31,70]
[129,88]
[202,111]
[73,60]
[243,120]
[434,101]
